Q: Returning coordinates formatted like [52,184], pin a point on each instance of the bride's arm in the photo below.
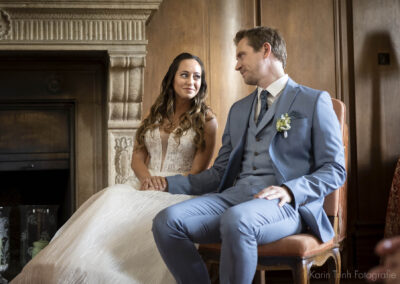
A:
[139,165]
[203,158]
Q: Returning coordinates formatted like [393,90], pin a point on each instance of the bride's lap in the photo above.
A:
[113,227]
[118,196]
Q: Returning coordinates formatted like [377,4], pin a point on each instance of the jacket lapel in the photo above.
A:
[286,99]
[284,104]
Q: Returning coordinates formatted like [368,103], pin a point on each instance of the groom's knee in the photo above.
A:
[160,221]
[165,220]
[235,222]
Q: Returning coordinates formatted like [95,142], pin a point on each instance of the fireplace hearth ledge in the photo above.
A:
[115,26]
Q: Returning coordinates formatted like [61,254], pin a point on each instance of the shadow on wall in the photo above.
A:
[379,64]
[378,70]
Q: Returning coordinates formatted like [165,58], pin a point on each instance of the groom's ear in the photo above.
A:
[266,49]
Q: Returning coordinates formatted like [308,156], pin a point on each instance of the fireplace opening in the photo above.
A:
[36,173]
[52,148]
[41,188]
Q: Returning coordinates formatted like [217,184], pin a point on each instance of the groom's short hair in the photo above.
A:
[259,35]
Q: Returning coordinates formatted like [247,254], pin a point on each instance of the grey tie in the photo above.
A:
[264,105]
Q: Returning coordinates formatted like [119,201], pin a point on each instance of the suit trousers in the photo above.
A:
[232,217]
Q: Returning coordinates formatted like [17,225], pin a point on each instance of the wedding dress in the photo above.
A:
[109,238]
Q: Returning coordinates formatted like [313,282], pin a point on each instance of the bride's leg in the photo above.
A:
[178,227]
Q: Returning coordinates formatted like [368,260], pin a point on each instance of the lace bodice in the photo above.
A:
[179,152]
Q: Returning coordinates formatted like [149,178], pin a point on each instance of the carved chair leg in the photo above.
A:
[301,273]
[335,267]
[259,277]
[213,271]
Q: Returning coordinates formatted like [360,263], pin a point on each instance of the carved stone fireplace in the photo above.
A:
[115,29]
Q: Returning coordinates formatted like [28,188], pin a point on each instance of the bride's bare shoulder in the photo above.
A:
[211,124]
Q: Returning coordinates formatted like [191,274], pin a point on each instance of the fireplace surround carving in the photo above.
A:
[114,26]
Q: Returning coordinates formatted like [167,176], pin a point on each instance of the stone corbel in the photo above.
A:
[125,93]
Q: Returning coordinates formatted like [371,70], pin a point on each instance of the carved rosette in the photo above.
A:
[117,27]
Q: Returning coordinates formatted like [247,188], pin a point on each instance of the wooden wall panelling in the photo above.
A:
[309,31]
[227,86]
[377,103]
[205,28]
[345,85]
[377,116]
[345,90]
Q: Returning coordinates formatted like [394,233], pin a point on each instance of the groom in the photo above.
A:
[281,154]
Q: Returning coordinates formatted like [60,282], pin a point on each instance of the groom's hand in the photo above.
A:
[162,184]
[276,192]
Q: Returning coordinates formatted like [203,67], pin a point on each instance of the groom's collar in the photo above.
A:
[276,87]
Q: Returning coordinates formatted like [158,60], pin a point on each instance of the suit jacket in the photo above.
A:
[309,161]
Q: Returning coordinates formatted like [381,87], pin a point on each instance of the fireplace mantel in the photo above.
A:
[115,26]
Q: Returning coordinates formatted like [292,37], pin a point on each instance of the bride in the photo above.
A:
[109,238]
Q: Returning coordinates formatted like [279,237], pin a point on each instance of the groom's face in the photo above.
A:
[249,62]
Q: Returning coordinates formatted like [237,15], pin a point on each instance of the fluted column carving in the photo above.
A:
[125,95]
[76,25]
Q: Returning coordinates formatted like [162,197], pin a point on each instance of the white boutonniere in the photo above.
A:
[283,124]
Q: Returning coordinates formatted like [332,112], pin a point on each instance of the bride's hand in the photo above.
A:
[145,184]
[154,183]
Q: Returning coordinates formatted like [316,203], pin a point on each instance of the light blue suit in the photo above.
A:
[310,162]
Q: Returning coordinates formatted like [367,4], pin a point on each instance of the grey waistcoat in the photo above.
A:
[256,164]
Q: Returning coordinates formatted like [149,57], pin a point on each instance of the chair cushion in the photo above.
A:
[301,245]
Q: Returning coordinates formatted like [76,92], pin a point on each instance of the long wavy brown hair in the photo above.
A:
[162,111]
